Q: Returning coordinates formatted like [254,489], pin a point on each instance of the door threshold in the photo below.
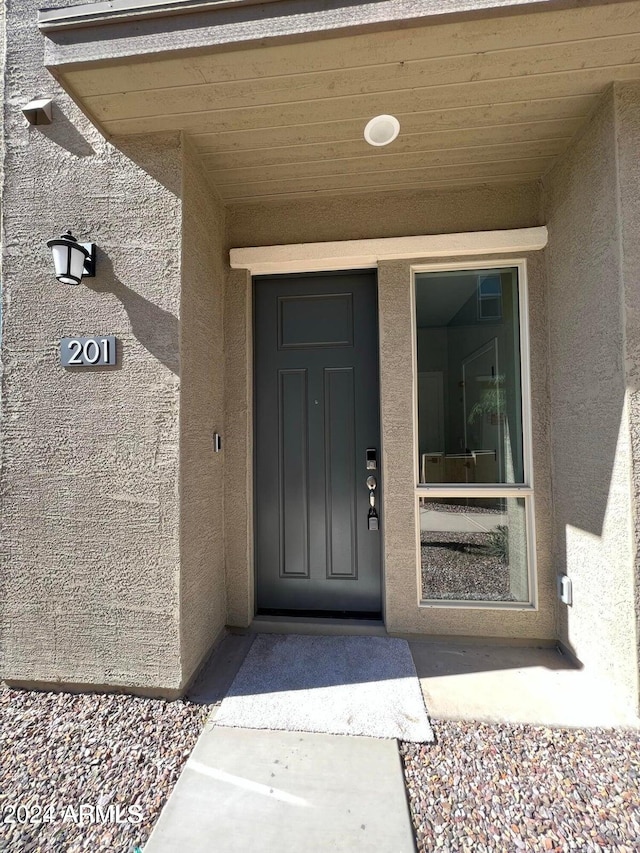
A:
[264,624]
[354,615]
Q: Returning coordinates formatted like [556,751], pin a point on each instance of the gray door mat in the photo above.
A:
[335,685]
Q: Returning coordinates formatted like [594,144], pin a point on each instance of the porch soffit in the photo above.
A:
[487,99]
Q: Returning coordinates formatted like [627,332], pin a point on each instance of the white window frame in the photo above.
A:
[448,490]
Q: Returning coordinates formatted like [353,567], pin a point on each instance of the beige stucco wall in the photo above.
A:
[394,215]
[238,487]
[202,581]
[89,515]
[592,483]
[111,516]
[628,139]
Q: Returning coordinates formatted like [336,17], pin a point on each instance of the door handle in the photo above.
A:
[373,522]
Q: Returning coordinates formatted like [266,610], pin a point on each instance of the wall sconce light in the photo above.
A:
[72,260]
[38,112]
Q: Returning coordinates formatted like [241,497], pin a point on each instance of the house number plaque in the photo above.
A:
[88,352]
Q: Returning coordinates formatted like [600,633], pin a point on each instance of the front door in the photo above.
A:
[317,438]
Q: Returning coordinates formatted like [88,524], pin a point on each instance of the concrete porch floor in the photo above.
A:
[463,681]
[513,684]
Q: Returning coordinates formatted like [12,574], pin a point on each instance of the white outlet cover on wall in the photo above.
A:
[565,589]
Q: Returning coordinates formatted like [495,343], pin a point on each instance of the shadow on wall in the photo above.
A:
[584,471]
[150,153]
[64,133]
[156,329]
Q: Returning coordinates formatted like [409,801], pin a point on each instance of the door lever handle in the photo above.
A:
[372,517]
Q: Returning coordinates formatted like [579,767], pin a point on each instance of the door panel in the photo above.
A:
[316,395]
[340,475]
[293,491]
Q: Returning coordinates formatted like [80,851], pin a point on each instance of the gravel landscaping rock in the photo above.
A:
[455,567]
[484,787]
[60,751]
[467,565]
[479,788]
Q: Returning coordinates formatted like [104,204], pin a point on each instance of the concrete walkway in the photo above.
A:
[258,791]
[286,792]
[439,521]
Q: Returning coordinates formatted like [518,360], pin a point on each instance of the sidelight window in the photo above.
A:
[473,456]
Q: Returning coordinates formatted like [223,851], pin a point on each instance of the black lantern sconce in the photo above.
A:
[72,260]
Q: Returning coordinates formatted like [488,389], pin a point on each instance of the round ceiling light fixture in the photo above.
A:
[381,130]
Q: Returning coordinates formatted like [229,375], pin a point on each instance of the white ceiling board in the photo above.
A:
[489,99]
[370,162]
[326,108]
[468,120]
[388,180]
[407,143]
[389,79]
[472,37]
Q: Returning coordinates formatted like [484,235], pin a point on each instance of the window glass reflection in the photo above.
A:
[469,389]
[474,549]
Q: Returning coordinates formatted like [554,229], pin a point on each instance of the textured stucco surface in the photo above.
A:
[238,487]
[400,214]
[628,137]
[89,528]
[94,587]
[202,581]
[591,448]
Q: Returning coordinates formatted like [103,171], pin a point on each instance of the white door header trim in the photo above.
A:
[355,254]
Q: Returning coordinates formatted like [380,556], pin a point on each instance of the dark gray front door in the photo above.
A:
[316,395]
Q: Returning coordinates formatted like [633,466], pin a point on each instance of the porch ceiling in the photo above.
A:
[480,100]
